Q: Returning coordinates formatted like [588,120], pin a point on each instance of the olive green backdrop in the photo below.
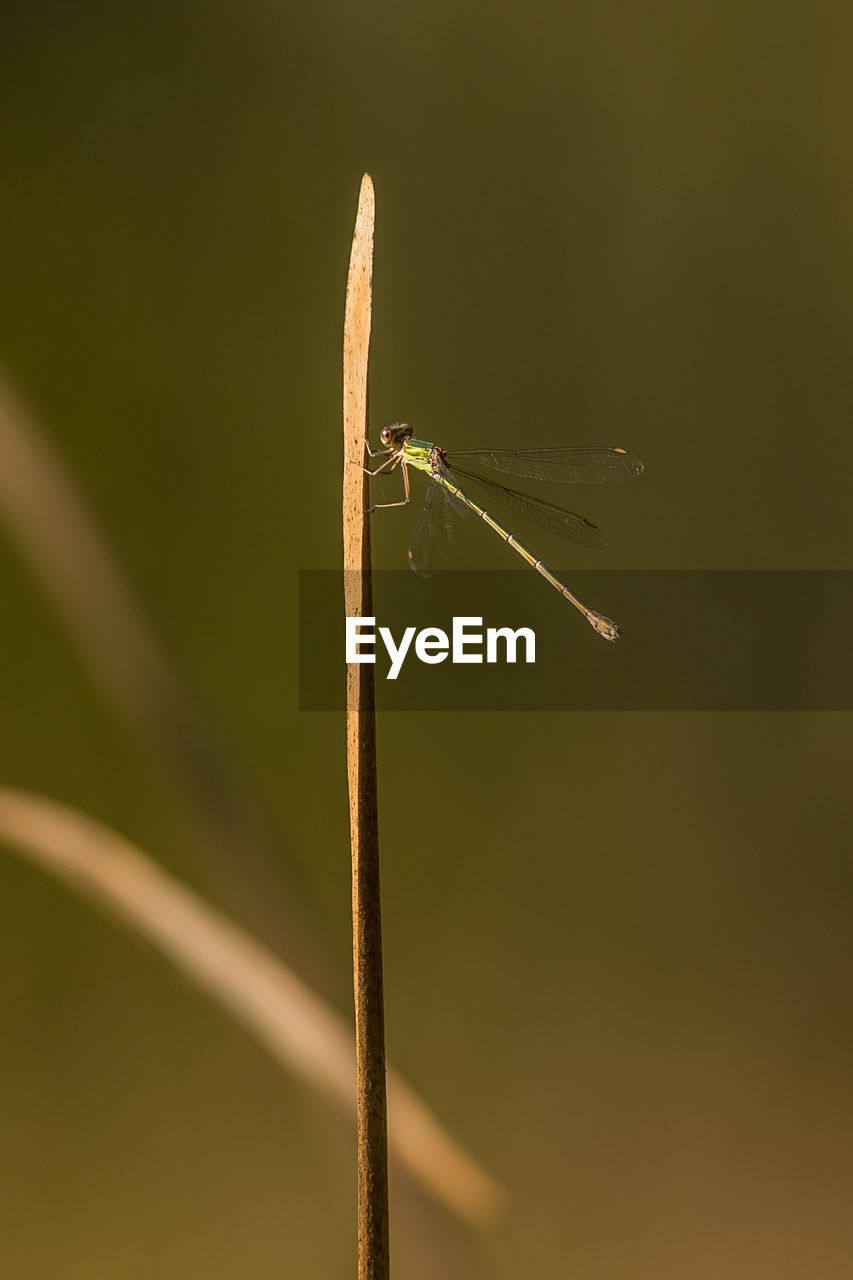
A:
[618,946]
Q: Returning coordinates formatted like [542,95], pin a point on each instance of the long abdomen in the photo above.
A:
[604,626]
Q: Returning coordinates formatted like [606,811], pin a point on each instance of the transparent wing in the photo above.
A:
[434,530]
[589,464]
[548,516]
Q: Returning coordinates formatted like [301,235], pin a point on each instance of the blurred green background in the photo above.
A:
[617,946]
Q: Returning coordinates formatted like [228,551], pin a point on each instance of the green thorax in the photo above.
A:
[419,453]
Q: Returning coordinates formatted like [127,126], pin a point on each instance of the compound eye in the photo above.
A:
[386,435]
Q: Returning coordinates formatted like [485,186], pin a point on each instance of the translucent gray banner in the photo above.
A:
[728,640]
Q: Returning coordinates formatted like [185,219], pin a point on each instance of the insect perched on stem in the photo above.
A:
[591,464]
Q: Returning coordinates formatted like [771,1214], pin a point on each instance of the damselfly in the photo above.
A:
[593,464]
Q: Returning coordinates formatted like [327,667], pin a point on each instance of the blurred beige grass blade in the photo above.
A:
[74,563]
[302,1032]
[71,559]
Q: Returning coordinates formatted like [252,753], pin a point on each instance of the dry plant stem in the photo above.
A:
[303,1034]
[373,1260]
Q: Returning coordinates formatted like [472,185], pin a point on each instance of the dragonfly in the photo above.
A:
[591,464]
